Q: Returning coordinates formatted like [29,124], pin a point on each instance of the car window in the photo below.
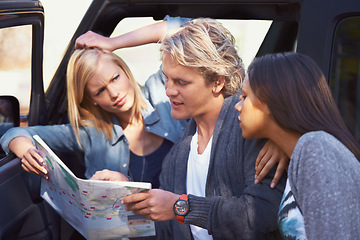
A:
[145,60]
[345,72]
[15,65]
[142,60]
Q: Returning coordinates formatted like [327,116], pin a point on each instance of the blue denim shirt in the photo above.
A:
[99,152]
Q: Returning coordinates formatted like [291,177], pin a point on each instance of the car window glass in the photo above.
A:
[15,65]
[145,60]
[249,35]
[345,72]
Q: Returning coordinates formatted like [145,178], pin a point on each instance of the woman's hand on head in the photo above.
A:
[32,162]
[91,39]
[107,175]
[268,157]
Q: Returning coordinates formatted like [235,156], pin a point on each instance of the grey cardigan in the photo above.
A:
[235,207]
[325,179]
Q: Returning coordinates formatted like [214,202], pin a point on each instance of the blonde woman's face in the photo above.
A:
[110,88]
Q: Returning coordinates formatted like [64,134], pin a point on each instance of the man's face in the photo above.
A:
[190,97]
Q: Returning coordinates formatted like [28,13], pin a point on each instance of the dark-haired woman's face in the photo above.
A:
[252,113]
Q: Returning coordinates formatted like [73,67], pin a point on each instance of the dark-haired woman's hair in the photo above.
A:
[298,96]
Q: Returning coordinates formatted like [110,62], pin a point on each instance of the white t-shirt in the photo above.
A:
[197,171]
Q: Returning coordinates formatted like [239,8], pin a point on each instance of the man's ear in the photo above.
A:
[218,85]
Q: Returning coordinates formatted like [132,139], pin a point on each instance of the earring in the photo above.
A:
[95,103]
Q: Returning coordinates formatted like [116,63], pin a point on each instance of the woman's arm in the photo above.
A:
[152,33]
[148,34]
[19,141]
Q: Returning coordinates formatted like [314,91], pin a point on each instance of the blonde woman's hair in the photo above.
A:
[81,67]
[207,45]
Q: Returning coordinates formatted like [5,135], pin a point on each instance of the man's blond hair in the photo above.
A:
[207,45]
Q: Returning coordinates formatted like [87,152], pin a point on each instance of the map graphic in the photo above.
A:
[92,207]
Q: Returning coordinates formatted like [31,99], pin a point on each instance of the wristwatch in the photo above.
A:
[181,208]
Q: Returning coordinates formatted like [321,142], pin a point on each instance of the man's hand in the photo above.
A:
[155,204]
[107,175]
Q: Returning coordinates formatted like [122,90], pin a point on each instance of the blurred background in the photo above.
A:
[59,30]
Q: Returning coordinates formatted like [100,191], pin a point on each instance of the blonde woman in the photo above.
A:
[110,122]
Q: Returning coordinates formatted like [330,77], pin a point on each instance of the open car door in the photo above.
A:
[24,215]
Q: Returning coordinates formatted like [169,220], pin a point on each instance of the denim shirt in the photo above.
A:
[99,152]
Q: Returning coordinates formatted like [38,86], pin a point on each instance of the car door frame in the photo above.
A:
[26,215]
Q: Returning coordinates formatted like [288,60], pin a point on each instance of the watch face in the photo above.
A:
[181,207]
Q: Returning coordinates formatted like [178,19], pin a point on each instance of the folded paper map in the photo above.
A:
[92,207]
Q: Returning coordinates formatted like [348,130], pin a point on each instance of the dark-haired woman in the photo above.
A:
[285,98]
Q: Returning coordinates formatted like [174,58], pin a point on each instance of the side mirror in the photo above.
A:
[9,113]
